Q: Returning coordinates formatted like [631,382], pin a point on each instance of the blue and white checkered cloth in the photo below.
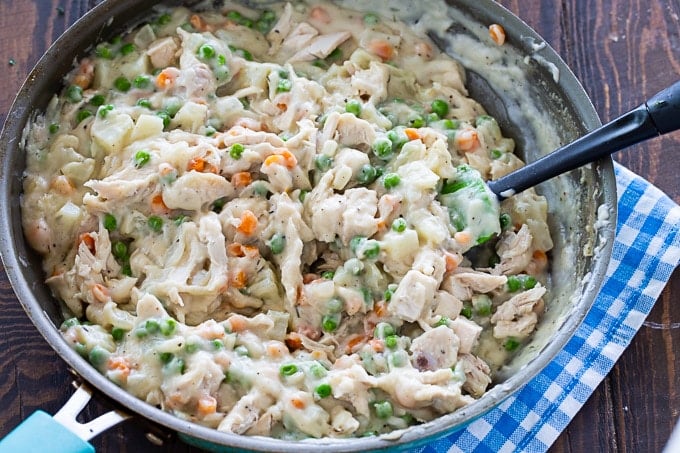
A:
[646,251]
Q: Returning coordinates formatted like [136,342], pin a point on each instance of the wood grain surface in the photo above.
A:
[622,51]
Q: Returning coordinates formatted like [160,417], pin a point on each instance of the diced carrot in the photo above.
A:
[276,349]
[294,341]
[251,251]
[381,48]
[100,292]
[412,133]
[283,107]
[380,308]
[320,14]
[62,185]
[355,341]
[381,224]
[308,278]
[158,206]
[463,237]
[211,331]
[166,78]
[497,33]
[235,249]
[85,74]
[452,261]
[289,159]
[196,163]
[239,279]
[119,364]
[206,405]
[540,255]
[199,24]
[274,159]
[297,403]
[467,140]
[248,222]
[88,240]
[318,355]
[241,179]
[237,323]
[377,345]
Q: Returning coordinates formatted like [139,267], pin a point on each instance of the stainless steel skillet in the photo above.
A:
[562,103]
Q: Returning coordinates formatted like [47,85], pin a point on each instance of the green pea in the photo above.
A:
[97,100]
[335,54]
[206,52]
[353,107]
[120,250]
[371,249]
[482,305]
[242,351]
[118,334]
[505,220]
[168,326]
[335,305]
[450,124]
[152,326]
[399,225]
[288,369]
[141,332]
[417,121]
[440,107]
[330,322]
[328,275]
[144,103]
[371,19]
[127,49]
[383,330]
[317,370]
[323,162]
[391,288]
[303,195]
[277,243]
[496,153]
[528,281]
[451,186]
[141,81]
[391,341]
[165,117]
[71,322]
[382,148]
[164,19]
[235,16]
[82,114]
[126,269]
[54,128]
[513,283]
[398,138]
[283,86]
[103,51]
[399,358]
[166,357]
[190,348]
[236,150]
[142,157]
[466,311]
[367,174]
[155,223]
[443,321]
[217,344]
[511,344]
[383,409]
[104,110]
[391,180]
[355,243]
[98,356]
[323,390]
[122,84]
[110,222]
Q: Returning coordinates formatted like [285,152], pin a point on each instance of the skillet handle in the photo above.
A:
[664,108]
[41,433]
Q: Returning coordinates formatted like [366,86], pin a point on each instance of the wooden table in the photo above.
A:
[622,51]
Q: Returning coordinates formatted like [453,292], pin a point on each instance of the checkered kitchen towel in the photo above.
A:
[646,251]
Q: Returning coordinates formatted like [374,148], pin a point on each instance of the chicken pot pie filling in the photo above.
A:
[275,222]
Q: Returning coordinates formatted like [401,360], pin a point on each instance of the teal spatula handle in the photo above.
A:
[42,433]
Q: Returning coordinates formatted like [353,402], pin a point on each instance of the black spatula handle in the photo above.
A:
[659,115]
